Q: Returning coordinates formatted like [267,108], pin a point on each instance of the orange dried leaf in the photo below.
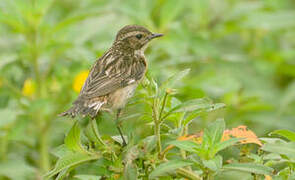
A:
[187,137]
[241,132]
[238,132]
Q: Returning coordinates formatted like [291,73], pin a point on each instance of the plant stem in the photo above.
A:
[44,155]
[163,105]
[96,132]
[158,119]
[43,140]
[157,125]
[158,135]
[187,174]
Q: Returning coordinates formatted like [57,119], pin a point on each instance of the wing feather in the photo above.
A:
[107,75]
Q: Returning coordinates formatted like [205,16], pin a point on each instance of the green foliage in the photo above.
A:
[87,177]
[234,61]
[249,167]
[283,148]
[72,140]
[70,160]
[168,167]
[285,133]
[187,146]
[145,158]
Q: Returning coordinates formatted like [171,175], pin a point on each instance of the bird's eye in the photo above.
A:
[138,36]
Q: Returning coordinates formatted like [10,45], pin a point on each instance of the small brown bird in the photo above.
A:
[114,77]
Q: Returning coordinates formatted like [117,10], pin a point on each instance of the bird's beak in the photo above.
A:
[156,35]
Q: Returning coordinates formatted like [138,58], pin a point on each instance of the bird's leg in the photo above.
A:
[119,127]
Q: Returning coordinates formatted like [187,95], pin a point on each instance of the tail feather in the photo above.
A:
[73,111]
[90,110]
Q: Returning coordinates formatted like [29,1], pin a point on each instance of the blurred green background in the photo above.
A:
[241,53]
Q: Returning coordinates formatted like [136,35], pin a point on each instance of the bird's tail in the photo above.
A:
[73,111]
[89,110]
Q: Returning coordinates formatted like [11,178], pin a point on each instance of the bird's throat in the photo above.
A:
[139,52]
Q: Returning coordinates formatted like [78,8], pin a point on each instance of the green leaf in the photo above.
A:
[132,153]
[189,146]
[119,139]
[62,174]
[170,82]
[249,167]
[61,151]
[211,138]
[214,164]
[190,117]
[130,171]
[192,105]
[73,139]
[197,106]
[70,160]
[290,135]
[175,102]
[272,140]
[156,87]
[87,177]
[272,156]
[284,173]
[215,106]
[287,149]
[13,22]
[168,167]
[149,143]
[227,143]
[213,133]
[210,164]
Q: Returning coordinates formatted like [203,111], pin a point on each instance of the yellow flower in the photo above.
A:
[79,80]
[29,87]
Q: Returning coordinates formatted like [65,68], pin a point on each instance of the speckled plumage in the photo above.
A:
[114,77]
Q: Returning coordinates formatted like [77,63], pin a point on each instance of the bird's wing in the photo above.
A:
[110,74]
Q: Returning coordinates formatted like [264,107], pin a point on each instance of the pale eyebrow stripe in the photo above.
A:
[131,34]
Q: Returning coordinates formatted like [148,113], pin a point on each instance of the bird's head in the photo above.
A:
[135,37]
